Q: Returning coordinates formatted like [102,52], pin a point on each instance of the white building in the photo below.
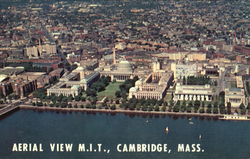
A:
[181,70]
[153,87]
[235,96]
[193,92]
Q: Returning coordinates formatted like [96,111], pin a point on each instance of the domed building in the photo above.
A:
[120,72]
[124,66]
[123,71]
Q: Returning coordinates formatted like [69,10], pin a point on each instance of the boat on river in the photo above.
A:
[166,130]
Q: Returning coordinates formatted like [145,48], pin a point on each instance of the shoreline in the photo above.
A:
[121,111]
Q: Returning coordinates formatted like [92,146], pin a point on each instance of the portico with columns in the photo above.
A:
[193,92]
[193,97]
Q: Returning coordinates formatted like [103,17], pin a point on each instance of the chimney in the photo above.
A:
[114,54]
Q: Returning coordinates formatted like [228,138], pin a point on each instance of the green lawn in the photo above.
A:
[110,90]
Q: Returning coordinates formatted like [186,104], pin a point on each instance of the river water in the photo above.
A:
[219,139]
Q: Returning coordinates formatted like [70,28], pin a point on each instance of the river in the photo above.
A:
[219,139]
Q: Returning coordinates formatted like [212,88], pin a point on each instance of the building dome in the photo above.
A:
[9,67]
[84,81]
[75,87]
[138,83]
[20,67]
[133,90]
[79,68]
[124,66]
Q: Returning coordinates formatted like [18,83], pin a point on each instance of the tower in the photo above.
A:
[156,66]
[114,54]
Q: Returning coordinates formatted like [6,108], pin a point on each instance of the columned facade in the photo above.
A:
[193,97]
[193,92]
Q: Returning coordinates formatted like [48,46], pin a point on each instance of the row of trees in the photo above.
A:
[41,94]
[200,80]
[124,88]
[142,104]
[98,86]
[70,105]
[184,106]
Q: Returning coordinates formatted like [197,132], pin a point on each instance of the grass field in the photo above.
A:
[110,90]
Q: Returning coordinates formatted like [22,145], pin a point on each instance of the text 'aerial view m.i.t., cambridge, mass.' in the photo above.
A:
[125,79]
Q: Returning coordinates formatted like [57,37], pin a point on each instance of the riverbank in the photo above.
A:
[119,111]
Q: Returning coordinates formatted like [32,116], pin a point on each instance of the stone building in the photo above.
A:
[72,83]
[181,70]
[153,87]
[193,92]
[41,50]
[235,96]
[65,89]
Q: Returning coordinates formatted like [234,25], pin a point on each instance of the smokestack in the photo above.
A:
[114,54]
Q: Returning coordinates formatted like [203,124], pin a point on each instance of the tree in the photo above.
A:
[171,103]
[202,110]
[51,104]
[159,102]
[83,99]
[215,104]
[176,108]
[222,108]
[88,105]
[242,106]
[209,110]
[170,107]
[242,109]
[77,98]
[70,105]
[183,108]
[138,106]
[117,102]
[144,108]
[118,94]
[209,105]
[157,108]
[163,108]
[248,106]
[178,103]
[190,104]
[222,97]
[184,103]
[184,81]
[197,104]
[150,108]
[131,106]
[229,108]
[165,103]
[113,107]
[215,110]
[64,105]
[189,109]
[91,92]
[203,104]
